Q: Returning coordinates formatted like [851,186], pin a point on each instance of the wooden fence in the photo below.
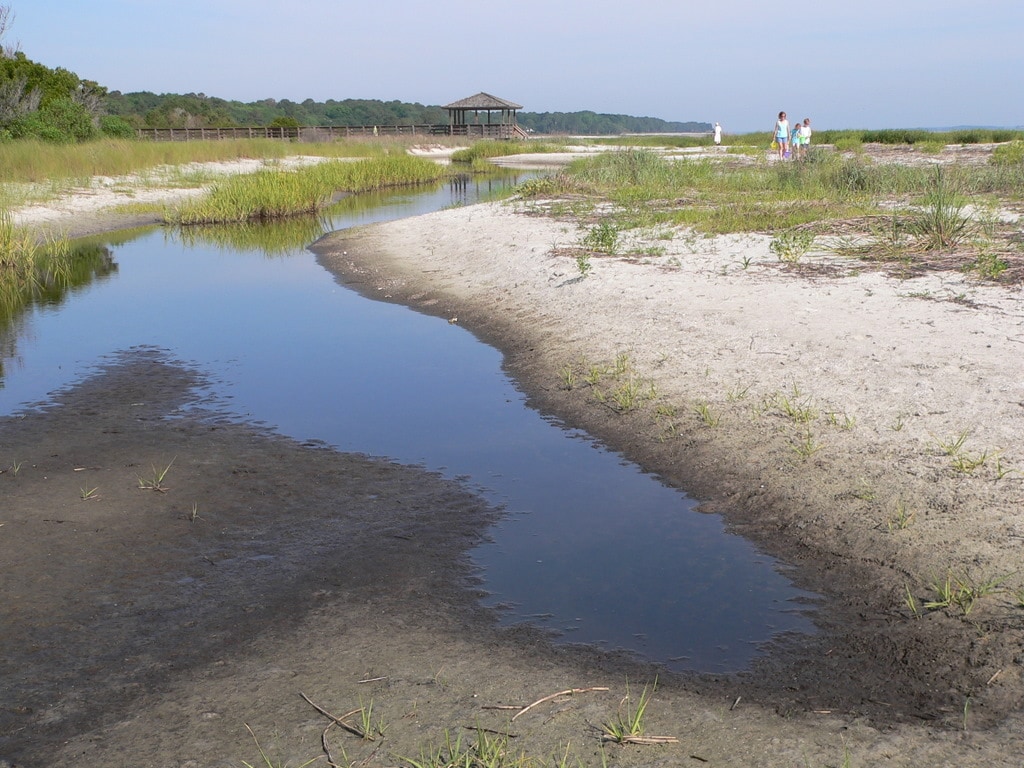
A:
[327,133]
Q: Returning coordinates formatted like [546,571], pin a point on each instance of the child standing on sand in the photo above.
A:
[805,136]
[782,135]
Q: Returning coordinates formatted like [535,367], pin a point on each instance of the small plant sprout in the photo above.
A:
[965,463]
[593,375]
[954,445]
[791,244]
[367,724]
[628,725]
[739,392]
[631,394]
[266,762]
[569,378]
[703,410]
[193,513]
[911,602]
[806,446]
[89,494]
[901,518]
[583,264]
[1002,471]
[155,482]
[16,467]
[841,421]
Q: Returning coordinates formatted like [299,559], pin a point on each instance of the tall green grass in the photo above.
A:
[271,194]
[30,161]
[483,150]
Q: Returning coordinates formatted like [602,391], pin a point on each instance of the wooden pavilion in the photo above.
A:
[464,117]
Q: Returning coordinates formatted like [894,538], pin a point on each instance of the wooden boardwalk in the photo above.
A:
[326,133]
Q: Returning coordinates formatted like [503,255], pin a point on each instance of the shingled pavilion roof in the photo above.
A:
[483,102]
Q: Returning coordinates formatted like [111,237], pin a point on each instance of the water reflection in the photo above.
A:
[47,283]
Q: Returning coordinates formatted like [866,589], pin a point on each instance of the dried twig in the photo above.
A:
[569,692]
[477,728]
[339,720]
[641,739]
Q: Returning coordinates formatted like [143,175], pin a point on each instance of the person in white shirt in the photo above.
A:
[805,136]
[718,135]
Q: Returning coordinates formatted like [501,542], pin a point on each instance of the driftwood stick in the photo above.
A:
[339,720]
[327,748]
[477,728]
[568,692]
[641,739]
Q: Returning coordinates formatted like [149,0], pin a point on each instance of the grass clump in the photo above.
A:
[960,592]
[155,480]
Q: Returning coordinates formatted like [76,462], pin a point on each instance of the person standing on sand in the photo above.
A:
[782,135]
[718,135]
[805,136]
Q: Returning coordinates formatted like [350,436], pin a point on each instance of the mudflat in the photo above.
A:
[827,410]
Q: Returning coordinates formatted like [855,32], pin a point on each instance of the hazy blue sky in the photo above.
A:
[860,64]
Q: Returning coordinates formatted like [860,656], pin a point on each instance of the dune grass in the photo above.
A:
[718,198]
[845,139]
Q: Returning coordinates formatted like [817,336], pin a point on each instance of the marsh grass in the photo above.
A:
[272,194]
[31,161]
[484,150]
[30,269]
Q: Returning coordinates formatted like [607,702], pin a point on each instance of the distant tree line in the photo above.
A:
[196,110]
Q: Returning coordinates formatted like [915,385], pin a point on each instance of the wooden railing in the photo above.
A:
[325,133]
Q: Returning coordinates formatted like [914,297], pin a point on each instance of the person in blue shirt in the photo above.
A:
[782,135]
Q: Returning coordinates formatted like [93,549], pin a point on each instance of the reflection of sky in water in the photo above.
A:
[613,555]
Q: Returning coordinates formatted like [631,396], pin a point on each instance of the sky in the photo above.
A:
[860,64]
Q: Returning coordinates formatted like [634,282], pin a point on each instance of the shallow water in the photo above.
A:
[592,547]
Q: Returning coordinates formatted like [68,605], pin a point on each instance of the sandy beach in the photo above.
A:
[865,427]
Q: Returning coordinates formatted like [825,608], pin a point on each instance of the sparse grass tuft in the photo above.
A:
[629,721]
[155,481]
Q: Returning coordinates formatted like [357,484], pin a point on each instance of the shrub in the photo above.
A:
[116,127]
